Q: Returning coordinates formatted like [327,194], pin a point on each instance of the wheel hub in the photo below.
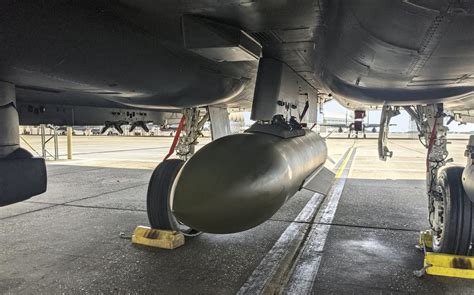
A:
[436,216]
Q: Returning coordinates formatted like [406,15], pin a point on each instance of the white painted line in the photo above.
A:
[302,278]
[306,215]
[334,196]
[291,238]
[307,264]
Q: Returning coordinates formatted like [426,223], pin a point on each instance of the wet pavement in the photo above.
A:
[370,247]
[67,240]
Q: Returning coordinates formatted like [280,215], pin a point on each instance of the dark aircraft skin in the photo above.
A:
[130,53]
[152,55]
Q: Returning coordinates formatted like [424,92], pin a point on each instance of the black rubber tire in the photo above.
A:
[458,234]
[158,197]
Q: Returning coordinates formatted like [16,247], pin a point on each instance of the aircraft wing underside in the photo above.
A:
[142,54]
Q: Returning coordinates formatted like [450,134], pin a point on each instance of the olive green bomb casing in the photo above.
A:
[239,181]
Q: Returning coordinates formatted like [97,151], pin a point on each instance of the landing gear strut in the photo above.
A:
[388,113]
[190,133]
[451,212]
[159,196]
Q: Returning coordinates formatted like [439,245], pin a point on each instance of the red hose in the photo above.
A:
[430,145]
[176,137]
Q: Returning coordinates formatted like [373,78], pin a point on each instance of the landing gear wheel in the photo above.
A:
[365,135]
[158,198]
[452,219]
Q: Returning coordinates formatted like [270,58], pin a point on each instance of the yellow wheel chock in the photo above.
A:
[440,264]
[164,239]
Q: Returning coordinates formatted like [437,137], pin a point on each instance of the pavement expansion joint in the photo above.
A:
[75,172]
[370,227]
[28,212]
[99,207]
[106,193]
[54,205]
[291,221]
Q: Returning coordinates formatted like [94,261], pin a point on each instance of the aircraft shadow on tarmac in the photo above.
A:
[370,246]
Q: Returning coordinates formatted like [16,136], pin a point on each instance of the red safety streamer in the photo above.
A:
[430,145]
[176,137]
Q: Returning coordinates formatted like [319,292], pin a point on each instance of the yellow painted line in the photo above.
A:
[306,266]
[344,163]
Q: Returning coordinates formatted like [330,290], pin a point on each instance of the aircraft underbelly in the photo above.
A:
[71,54]
[400,52]
[363,52]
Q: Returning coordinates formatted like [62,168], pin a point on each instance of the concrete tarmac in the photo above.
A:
[67,239]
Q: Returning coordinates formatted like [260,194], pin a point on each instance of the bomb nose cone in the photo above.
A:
[239,181]
[220,191]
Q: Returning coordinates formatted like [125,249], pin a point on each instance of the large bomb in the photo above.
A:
[239,181]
